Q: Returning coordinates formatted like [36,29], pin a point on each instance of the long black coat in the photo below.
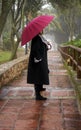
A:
[38,72]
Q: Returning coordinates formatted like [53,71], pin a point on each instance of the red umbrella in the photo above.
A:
[34,27]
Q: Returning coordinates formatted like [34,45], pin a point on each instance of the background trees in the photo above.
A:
[69,16]
[15,14]
[6,6]
[16,22]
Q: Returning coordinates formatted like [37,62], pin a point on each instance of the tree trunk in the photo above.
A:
[14,51]
[6,7]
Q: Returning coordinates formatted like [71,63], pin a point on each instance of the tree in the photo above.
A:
[32,7]
[70,10]
[17,18]
[16,12]
[5,8]
[54,25]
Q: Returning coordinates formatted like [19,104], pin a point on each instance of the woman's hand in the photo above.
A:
[49,46]
[36,60]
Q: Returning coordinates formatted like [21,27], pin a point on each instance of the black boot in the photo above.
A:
[37,93]
[41,88]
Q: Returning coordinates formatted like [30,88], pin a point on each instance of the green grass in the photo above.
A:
[21,49]
[4,56]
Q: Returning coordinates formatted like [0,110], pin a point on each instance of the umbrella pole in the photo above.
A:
[26,49]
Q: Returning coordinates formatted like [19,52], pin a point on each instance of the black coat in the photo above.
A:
[38,72]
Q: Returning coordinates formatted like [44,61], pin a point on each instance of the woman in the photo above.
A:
[38,73]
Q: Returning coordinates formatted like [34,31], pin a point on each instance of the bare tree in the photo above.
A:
[16,12]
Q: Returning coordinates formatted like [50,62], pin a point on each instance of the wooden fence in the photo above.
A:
[72,55]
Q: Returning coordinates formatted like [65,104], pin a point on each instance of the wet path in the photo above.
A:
[20,111]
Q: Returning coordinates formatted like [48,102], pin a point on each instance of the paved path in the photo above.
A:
[20,111]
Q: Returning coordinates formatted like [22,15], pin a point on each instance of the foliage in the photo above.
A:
[31,7]
[69,14]
[75,43]
[75,82]
[14,8]
[64,4]
[51,11]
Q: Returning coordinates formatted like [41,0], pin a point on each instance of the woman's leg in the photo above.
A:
[37,92]
[41,87]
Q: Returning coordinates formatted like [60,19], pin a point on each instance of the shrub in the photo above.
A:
[76,43]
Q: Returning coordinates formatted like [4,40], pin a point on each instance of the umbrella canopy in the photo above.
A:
[34,27]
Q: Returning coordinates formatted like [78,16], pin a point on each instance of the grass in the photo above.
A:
[20,49]
[4,56]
